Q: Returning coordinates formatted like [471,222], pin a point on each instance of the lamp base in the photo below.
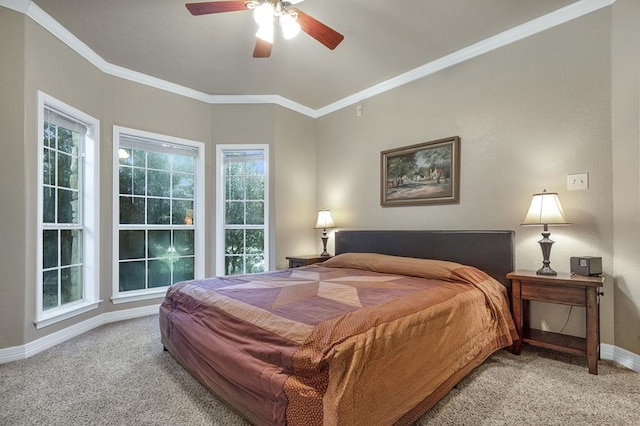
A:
[324,253]
[545,270]
[545,245]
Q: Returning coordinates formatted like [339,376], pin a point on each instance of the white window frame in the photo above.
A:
[220,198]
[90,195]
[199,212]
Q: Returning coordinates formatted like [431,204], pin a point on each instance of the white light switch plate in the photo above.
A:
[578,181]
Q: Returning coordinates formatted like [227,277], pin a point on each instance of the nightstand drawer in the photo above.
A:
[553,293]
[296,263]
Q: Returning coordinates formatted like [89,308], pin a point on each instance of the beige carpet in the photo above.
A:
[118,374]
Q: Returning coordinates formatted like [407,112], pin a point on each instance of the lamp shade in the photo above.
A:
[265,32]
[263,14]
[325,220]
[545,209]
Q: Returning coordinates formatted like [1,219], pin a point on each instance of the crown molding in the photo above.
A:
[17,5]
[545,22]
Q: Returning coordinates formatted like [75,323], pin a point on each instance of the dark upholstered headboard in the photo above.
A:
[490,251]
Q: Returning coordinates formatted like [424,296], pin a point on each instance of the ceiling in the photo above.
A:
[212,54]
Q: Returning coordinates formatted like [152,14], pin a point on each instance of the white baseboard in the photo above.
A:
[16,353]
[621,356]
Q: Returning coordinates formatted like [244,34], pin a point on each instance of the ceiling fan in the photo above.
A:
[266,13]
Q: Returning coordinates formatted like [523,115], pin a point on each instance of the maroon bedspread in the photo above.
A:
[360,339]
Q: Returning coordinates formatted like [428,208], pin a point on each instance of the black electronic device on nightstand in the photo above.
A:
[587,266]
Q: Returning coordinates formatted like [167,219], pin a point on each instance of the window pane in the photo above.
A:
[159,211]
[67,171]
[71,284]
[132,276]
[183,242]
[181,209]
[70,247]
[49,205]
[255,188]
[139,158]
[183,185]
[49,167]
[126,180]
[254,167]
[131,210]
[124,156]
[159,273]
[158,160]
[158,184]
[254,264]
[49,135]
[234,241]
[139,182]
[234,213]
[235,188]
[232,169]
[68,206]
[66,141]
[183,269]
[184,164]
[132,181]
[49,289]
[160,244]
[132,245]
[255,213]
[233,265]
[255,241]
[50,249]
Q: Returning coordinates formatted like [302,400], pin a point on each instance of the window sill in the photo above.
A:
[139,295]
[66,313]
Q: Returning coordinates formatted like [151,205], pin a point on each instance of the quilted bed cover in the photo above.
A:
[359,339]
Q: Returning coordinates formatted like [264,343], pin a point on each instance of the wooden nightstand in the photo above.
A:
[298,261]
[564,289]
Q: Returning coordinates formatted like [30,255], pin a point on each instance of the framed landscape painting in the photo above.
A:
[425,173]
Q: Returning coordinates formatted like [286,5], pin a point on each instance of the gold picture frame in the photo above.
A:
[421,174]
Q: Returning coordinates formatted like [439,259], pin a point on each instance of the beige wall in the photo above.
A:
[626,175]
[12,164]
[528,114]
[295,187]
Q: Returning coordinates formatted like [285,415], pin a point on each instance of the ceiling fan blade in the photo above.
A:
[262,49]
[216,7]
[316,29]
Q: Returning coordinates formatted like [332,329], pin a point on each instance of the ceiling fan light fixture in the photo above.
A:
[263,14]
[265,32]
[290,28]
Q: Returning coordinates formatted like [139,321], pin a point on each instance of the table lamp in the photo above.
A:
[324,221]
[545,210]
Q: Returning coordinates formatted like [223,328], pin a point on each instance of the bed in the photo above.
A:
[375,335]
